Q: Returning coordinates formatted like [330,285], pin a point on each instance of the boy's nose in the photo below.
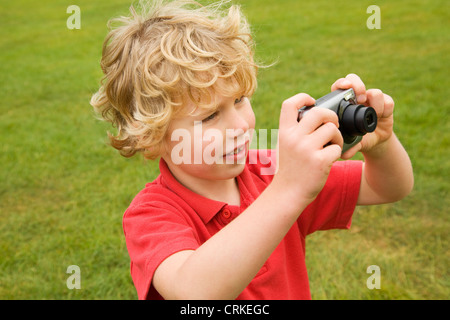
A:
[238,123]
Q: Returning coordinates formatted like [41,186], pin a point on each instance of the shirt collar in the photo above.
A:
[205,208]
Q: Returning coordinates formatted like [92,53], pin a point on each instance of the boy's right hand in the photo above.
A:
[306,149]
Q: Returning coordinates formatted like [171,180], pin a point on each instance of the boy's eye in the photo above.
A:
[210,117]
[239,100]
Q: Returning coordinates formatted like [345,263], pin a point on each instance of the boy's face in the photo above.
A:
[210,144]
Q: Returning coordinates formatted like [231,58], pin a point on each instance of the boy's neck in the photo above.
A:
[219,190]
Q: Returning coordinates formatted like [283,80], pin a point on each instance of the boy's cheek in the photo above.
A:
[251,116]
[182,147]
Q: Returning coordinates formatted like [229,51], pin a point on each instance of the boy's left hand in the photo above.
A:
[384,107]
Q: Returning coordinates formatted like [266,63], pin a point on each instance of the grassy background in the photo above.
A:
[63,191]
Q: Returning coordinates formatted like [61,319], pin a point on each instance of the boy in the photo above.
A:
[219,228]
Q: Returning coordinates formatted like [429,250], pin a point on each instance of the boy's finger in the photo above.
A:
[341,83]
[332,152]
[375,99]
[328,134]
[351,152]
[358,86]
[316,117]
[388,105]
[290,107]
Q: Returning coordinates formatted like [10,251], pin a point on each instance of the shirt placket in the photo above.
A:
[226,215]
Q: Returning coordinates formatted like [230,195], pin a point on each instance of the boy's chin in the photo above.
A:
[226,171]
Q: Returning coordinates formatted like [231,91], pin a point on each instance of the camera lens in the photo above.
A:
[357,120]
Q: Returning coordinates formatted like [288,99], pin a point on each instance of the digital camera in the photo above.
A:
[355,120]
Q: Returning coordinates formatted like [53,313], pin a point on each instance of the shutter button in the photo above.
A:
[226,213]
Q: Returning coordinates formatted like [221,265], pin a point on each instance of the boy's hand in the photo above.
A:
[306,149]
[384,107]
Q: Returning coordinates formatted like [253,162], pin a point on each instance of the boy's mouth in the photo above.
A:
[237,153]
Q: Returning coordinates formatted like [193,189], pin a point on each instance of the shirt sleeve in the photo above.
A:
[334,206]
[154,230]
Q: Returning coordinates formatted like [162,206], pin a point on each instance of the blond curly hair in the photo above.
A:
[163,54]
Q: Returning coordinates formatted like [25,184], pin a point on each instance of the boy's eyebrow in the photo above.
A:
[212,107]
[204,111]
[199,111]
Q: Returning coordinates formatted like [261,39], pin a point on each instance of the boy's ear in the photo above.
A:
[165,147]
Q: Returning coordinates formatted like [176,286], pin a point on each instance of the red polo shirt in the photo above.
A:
[165,217]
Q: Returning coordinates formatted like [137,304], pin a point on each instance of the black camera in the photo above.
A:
[355,120]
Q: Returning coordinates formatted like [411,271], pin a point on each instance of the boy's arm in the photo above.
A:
[225,264]
[387,172]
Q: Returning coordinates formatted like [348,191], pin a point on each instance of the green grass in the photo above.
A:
[63,190]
